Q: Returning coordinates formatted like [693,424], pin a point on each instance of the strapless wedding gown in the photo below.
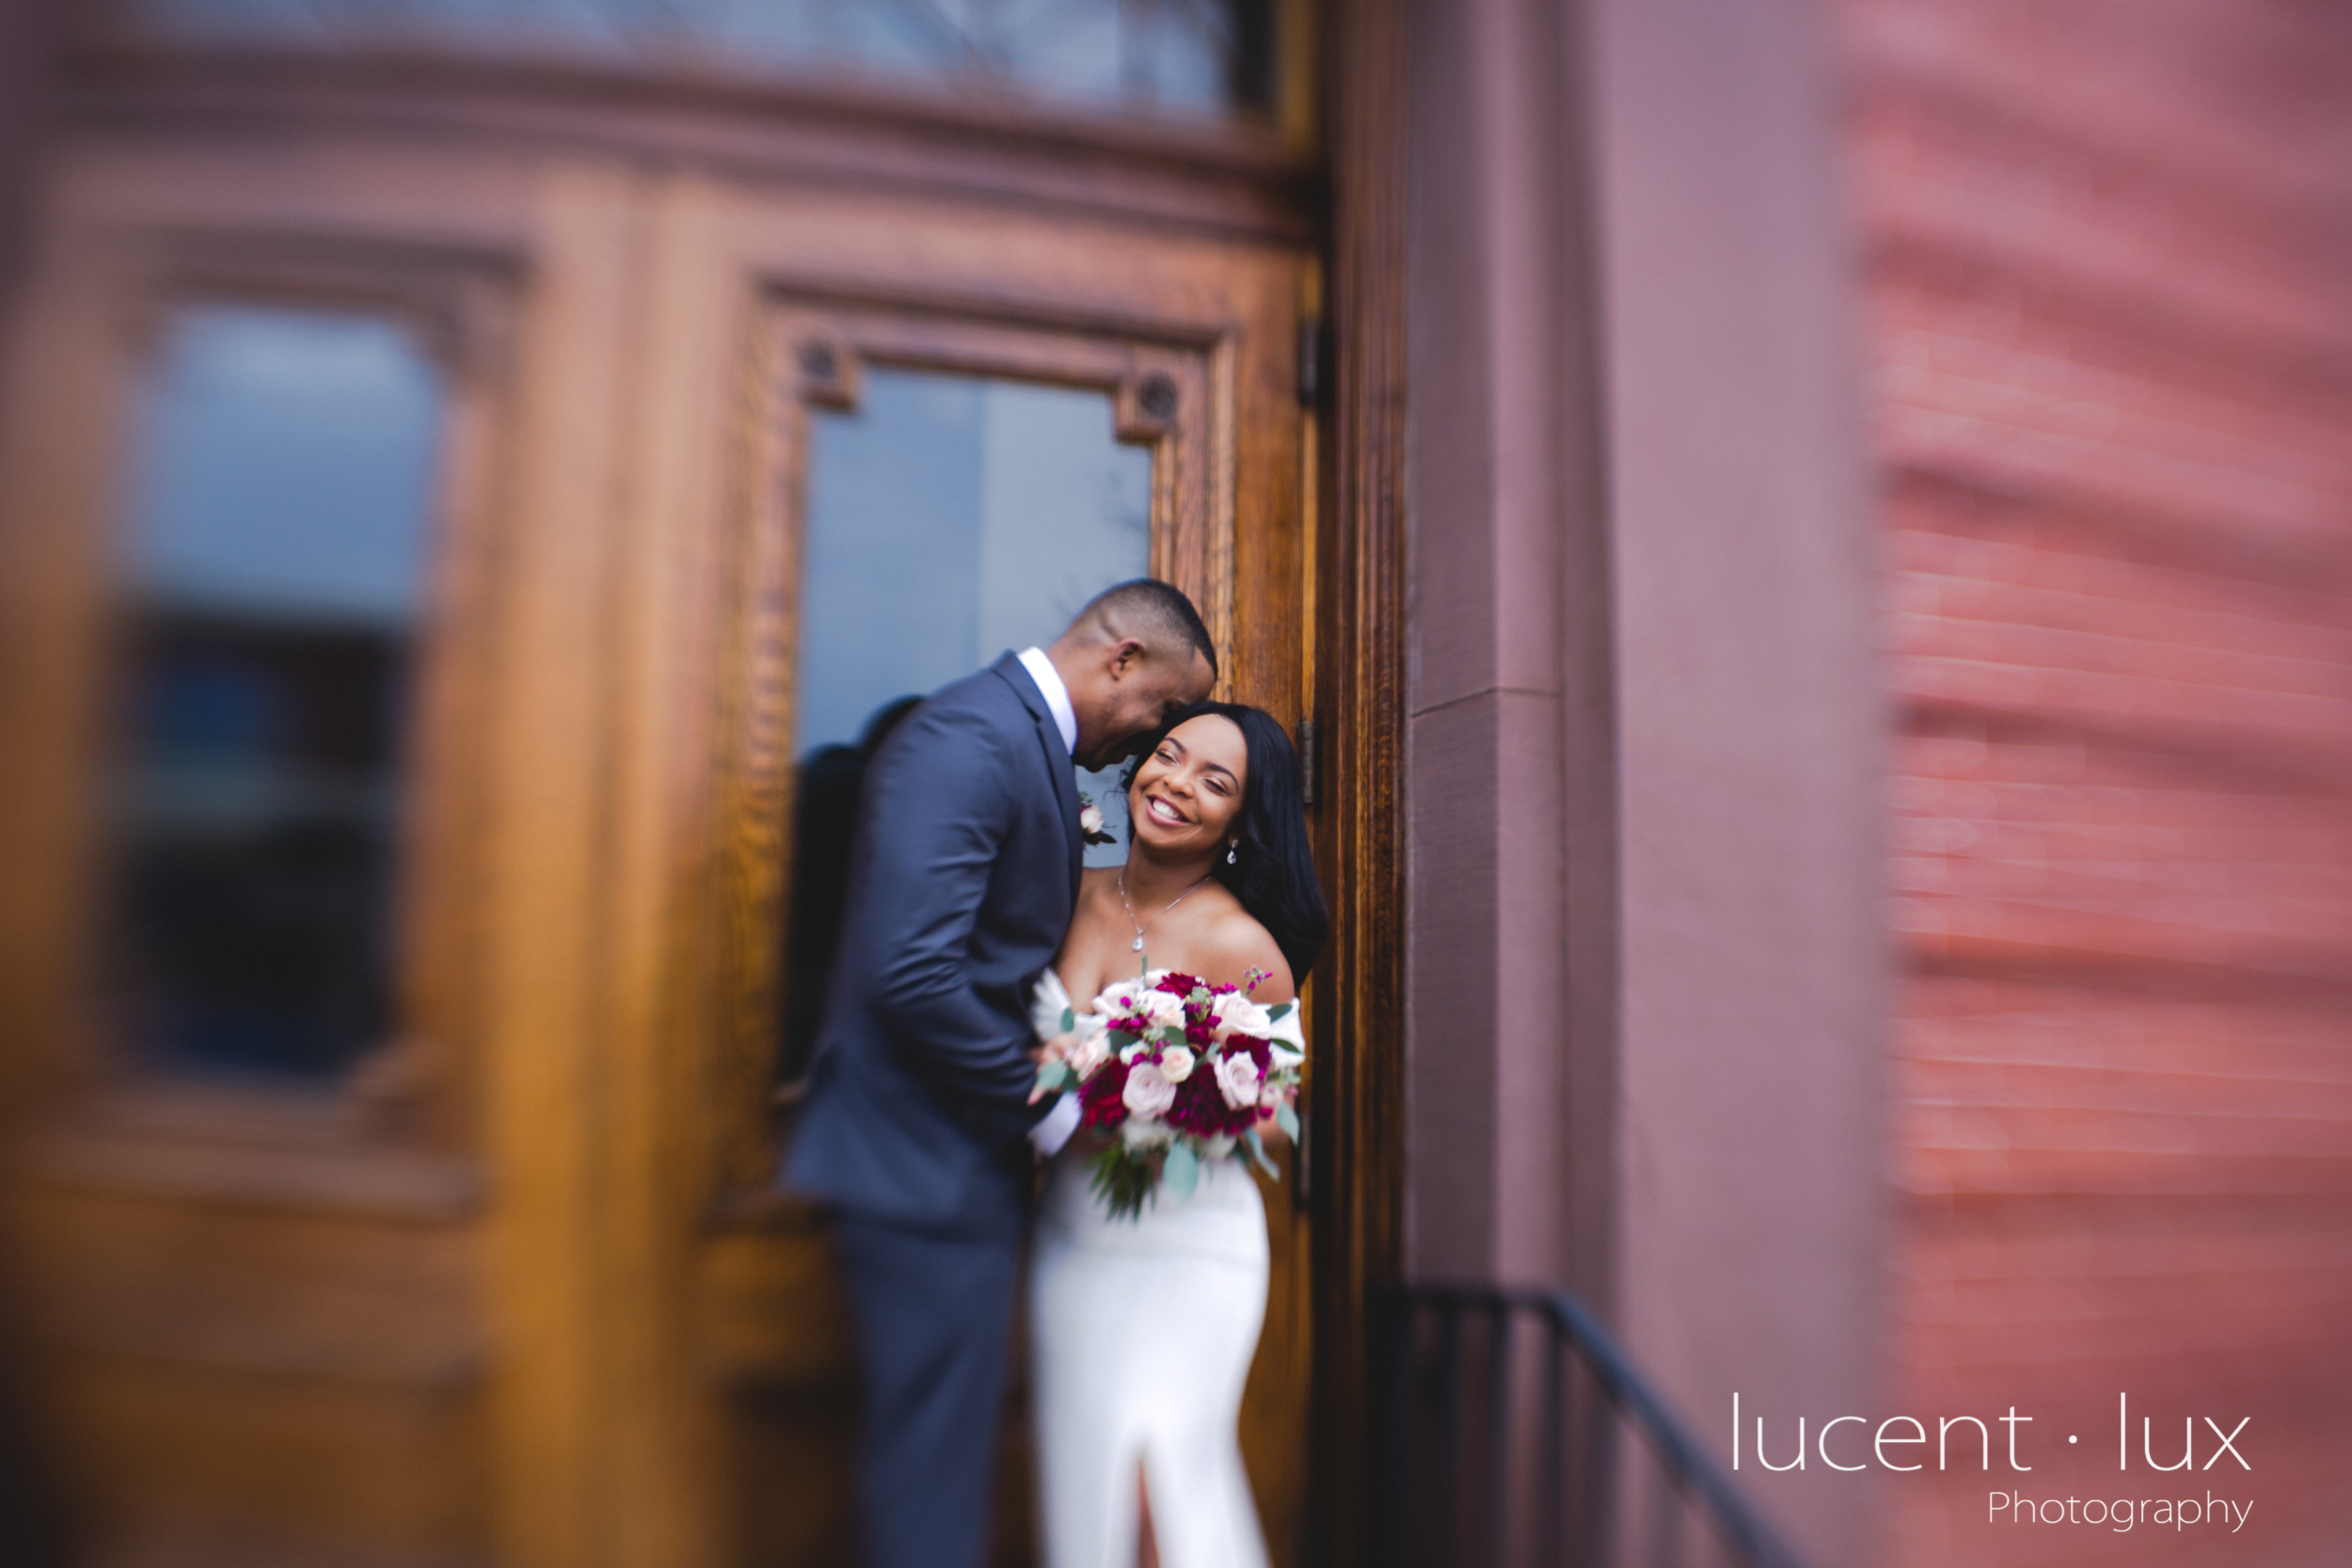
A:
[1141,1334]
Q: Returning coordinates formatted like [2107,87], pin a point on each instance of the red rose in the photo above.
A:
[1102,1100]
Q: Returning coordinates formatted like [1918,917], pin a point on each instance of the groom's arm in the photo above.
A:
[938,813]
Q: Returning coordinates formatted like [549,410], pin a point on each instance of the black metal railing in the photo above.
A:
[1500,1439]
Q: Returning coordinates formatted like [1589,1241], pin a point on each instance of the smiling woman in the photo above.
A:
[1152,1212]
[1266,863]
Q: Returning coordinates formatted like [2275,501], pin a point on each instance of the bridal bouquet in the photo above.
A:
[1180,1072]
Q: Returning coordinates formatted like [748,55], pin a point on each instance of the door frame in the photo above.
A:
[1358,1152]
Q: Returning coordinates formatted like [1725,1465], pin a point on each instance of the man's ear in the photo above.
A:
[1126,654]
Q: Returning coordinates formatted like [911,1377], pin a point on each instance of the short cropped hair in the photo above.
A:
[1148,605]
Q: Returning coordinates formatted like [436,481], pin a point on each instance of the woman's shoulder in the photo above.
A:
[1232,943]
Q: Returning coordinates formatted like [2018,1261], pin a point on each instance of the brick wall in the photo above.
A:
[2110,333]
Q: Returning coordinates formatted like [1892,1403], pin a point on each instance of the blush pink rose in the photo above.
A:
[1148,1094]
[1237,1079]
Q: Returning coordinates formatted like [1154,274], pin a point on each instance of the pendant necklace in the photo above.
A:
[1136,945]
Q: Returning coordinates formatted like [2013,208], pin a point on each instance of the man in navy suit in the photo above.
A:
[918,1128]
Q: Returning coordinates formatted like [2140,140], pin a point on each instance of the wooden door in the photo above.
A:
[494,1272]
[787,310]
[248,1177]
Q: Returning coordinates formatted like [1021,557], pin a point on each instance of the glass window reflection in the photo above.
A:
[1203,57]
[273,563]
[948,519]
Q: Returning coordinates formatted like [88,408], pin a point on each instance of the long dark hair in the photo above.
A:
[1273,873]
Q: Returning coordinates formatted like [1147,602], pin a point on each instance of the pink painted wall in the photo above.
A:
[1491,474]
[1751,1204]
[2110,293]
[1648,971]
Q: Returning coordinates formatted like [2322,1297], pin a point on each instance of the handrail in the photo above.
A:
[1689,1470]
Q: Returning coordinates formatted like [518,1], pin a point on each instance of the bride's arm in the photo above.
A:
[1237,951]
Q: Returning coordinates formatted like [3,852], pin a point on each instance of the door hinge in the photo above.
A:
[1302,1170]
[1310,361]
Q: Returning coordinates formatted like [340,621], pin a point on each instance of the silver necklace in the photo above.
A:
[1136,945]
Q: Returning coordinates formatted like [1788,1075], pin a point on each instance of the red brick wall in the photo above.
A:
[2109,334]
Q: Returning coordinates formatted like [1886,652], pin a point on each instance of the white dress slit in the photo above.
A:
[1142,1332]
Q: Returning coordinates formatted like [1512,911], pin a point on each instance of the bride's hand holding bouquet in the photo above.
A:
[1171,1070]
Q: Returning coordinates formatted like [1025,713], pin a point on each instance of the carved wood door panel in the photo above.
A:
[259,456]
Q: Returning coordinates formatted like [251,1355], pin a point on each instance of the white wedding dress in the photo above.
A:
[1141,1334]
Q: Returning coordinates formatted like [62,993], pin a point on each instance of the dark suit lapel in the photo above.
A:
[1066,788]
[1059,764]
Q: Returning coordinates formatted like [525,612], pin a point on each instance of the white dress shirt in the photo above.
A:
[1054,1128]
[1048,680]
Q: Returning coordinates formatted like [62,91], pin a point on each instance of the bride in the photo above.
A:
[1144,1328]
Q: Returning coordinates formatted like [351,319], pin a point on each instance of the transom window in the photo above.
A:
[1185,56]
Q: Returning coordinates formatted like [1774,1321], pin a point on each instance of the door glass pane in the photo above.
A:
[948,519]
[1185,55]
[270,589]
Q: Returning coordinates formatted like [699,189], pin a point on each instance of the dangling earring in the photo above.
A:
[1233,854]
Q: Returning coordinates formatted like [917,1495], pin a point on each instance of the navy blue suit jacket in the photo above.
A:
[961,884]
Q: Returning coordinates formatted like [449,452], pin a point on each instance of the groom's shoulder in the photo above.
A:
[979,708]
[990,692]
[983,695]
[983,688]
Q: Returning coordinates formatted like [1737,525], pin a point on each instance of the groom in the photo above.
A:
[918,1128]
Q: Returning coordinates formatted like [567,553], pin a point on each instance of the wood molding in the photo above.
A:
[1171,392]
[332,1178]
[1359,1143]
[1235,178]
[457,304]
[545,1029]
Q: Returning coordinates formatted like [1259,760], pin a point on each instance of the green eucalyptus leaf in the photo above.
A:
[1287,1119]
[1053,1075]
[1181,1173]
[1257,1152]
[1069,1020]
[1277,1013]
[1122,1179]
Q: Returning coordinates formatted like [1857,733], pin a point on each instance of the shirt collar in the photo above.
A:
[1057,695]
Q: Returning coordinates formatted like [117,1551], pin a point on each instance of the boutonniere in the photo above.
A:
[1091,821]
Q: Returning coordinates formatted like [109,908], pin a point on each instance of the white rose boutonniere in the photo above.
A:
[1091,821]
